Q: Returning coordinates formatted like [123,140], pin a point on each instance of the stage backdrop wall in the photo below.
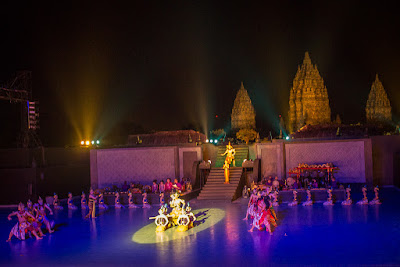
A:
[114,166]
[353,157]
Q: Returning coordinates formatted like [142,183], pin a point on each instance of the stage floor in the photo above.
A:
[306,235]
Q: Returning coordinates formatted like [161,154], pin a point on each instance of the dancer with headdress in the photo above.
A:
[348,200]
[71,205]
[40,209]
[92,204]
[56,203]
[84,205]
[376,200]
[252,205]
[364,201]
[117,203]
[145,202]
[22,226]
[102,206]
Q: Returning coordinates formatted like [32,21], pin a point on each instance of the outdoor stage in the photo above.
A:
[305,235]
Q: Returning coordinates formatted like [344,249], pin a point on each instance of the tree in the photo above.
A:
[246,135]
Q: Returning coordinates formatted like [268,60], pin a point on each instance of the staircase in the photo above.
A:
[242,152]
[215,189]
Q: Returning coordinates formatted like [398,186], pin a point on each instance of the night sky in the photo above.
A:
[101,70]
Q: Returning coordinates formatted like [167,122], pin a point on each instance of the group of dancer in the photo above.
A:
[30,220]
[260,209]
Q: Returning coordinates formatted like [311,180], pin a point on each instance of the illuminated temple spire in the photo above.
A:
[378,107]
[243,114]
[308,102]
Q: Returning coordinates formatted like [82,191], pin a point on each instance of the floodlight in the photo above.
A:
[87,143]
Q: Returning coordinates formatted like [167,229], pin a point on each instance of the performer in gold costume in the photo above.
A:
[226,172]
[230,154]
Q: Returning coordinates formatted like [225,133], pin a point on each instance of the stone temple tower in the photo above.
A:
[308,102]
[243,114]
[378,107]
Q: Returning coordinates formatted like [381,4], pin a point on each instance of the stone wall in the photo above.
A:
[272,159]
[348,155]
[145,164]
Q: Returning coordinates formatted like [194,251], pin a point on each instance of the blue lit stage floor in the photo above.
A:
[305,235]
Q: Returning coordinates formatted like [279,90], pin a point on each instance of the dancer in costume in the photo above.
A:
[364,201]
[92,204]
[275,195]
[117,201]
[71,205]
[146,204]
[295,201]
[329,201]
[32,220]
[252,205]
[262,217]
[226,172]
[56,203]
[230,154]
[22,226]
[162,200]
[132,205]
[309,201]
[348,200]
[376,200]
[102,206]
[84,206]
[40,209]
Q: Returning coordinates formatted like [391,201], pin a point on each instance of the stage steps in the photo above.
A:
[242,153]
[215,189]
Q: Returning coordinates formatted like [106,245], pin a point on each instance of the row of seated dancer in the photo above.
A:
[297,183]
[31,219]
[155,188]
[273,194]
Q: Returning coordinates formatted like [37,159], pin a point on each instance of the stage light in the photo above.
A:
[287,137]
[215,141]
[82,142]
[211,141]
[87,143]
[207,140]
[92,142]
[98,142]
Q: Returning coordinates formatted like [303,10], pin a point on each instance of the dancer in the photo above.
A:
[84,206]
[117,201]
[261,217]
[71,205]
[132,205]
[22,226]
[251,206]
[364,201]
[146,204]
[294,202]
[92,204]
[32,220]
[309,201]
[329,201]
[56,203]
[226,172]
[376,200]
[102,206]
[348,200]
[40,209]
[162,200]
[275,195]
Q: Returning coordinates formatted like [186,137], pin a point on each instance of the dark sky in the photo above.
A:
[98,67]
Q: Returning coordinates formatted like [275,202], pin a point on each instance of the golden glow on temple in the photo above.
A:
[309,102]
[243,114]
[378,107]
